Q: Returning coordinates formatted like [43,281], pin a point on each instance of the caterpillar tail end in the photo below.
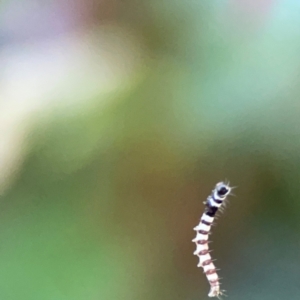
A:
[215,292]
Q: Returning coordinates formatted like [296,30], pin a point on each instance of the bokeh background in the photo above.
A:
[118,117]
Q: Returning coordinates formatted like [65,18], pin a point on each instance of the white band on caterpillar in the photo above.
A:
[212,204]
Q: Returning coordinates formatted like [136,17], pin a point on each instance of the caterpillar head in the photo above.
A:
[222,189]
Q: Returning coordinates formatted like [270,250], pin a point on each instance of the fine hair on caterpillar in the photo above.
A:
[213,204]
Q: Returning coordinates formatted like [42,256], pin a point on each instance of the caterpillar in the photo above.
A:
[212,205]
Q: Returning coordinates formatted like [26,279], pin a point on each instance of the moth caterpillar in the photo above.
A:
[212,205]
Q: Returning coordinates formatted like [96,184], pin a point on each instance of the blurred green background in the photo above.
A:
[118,117]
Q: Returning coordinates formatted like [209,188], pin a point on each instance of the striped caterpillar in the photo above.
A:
[212,204]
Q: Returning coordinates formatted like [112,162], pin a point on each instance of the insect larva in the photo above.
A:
[212,205]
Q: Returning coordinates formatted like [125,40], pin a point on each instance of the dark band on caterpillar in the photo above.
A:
[202,242]
[211,271]
[203,252]
[203,232]
[206,223]
[214,281]
[211,211]
[218,201]
[207,262]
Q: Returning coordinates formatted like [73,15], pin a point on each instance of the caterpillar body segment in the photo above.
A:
[213,203]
